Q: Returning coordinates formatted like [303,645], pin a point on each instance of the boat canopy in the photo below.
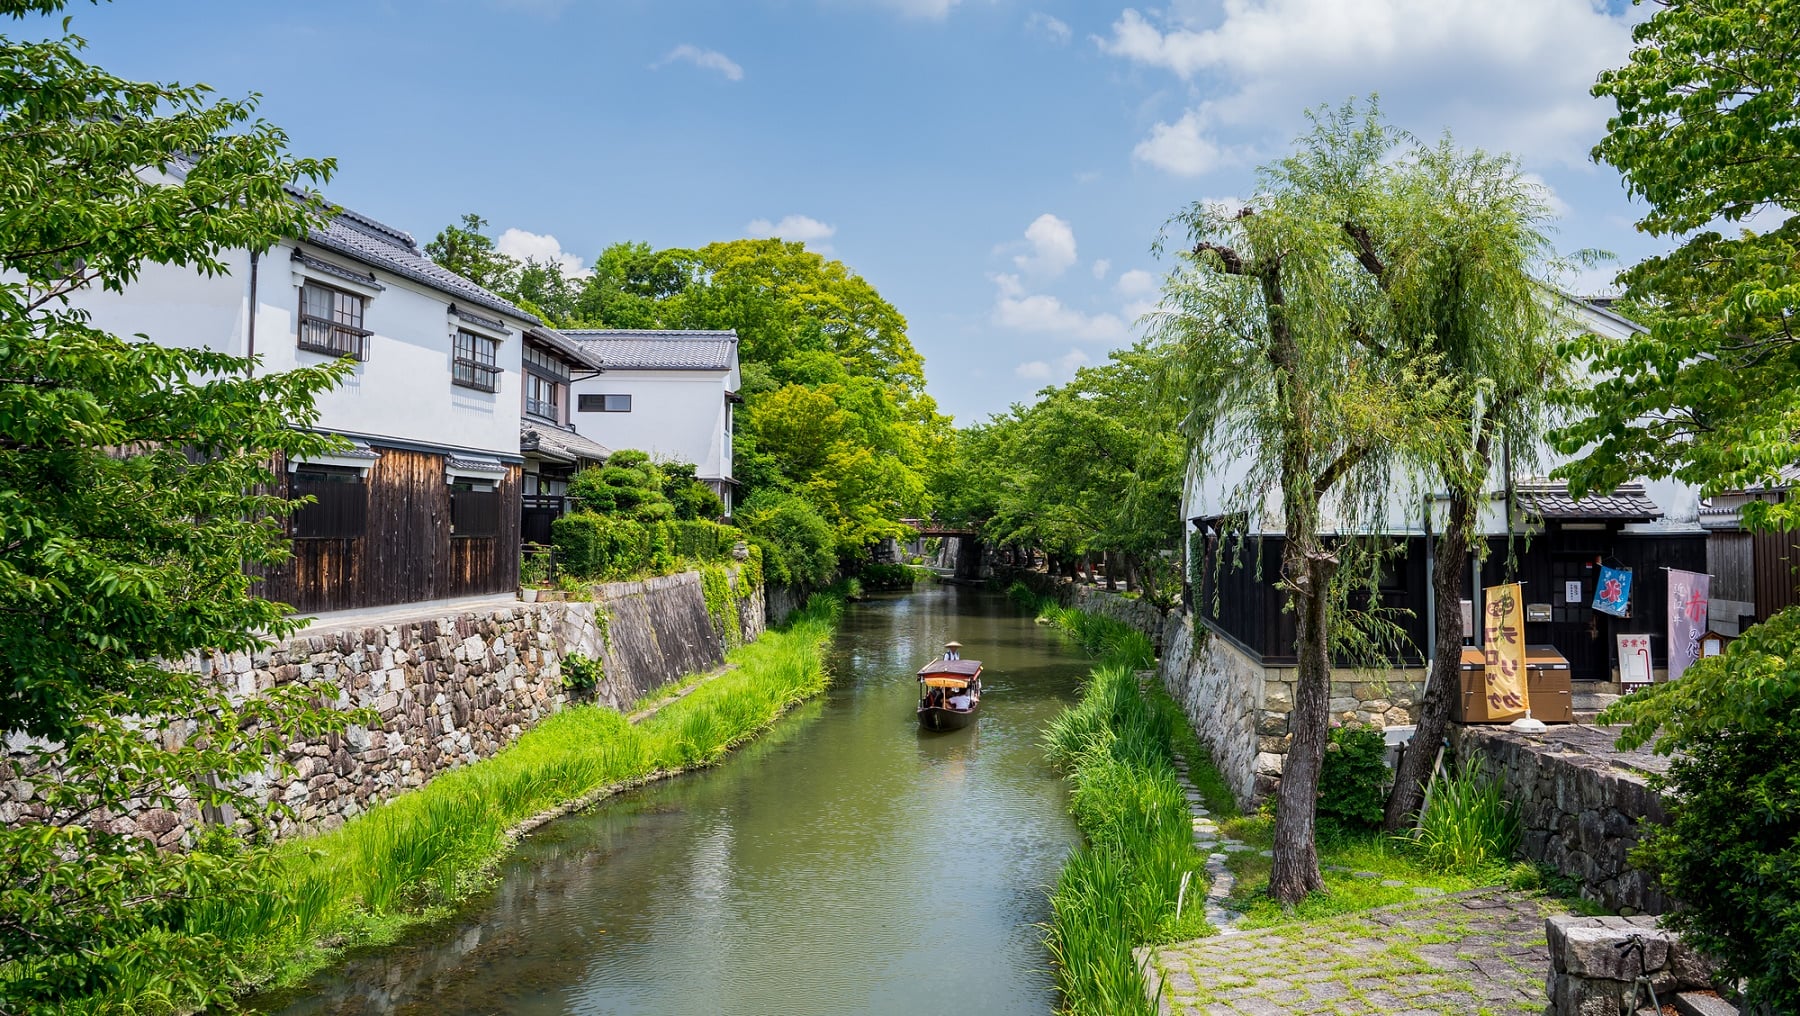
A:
[955,668]
[945,681]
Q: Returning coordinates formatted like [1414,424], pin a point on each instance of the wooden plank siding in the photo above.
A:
[1776,556]
[1731,561]
[406,553]
[1242,601]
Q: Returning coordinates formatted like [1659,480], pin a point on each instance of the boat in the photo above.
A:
[949,692]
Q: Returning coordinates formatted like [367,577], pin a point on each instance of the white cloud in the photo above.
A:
[1181,147]
[518,243]
[1034,370]
[802,228]
[1510,76]
[935,10]
[1552,200]
[1052,28]
[1101,267]
[1087,176]
[1073,359]
[706,59]
[1136,282]
[1043,314]
[1052,247]
[1064,367]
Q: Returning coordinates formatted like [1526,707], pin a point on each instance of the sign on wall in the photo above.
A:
[1634,661]
[1688,593]
[1503,642]
[1612,594]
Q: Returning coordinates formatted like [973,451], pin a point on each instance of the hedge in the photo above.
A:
[591,546]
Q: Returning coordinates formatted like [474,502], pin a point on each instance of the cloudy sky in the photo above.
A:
[998,169]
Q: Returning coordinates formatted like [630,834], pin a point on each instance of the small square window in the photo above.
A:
[476,362]
[331,321]
[605,404]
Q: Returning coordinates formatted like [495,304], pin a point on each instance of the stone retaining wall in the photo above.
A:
[1240,708]
[448,690]
[1579,812]
[1131,611]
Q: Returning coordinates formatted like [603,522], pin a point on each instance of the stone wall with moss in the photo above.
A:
[450,689]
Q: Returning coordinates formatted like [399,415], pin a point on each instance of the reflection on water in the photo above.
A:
[844,863]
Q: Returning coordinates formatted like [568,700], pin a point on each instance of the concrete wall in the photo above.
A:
[402,390]
[1580,813]
[448,690]
[676,415]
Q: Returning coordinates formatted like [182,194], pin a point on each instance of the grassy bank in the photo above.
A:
[1120,889]
[412,858]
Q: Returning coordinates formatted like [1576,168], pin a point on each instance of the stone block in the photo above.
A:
[1594,952]
[1272,724]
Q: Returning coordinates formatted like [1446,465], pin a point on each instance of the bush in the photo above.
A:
[1466,824]
[805,545]
[594,546]
[888,576]
[1353,780]
[1730,852]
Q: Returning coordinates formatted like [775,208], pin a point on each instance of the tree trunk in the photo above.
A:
[1434,713]
[1110,561]
[1295,873]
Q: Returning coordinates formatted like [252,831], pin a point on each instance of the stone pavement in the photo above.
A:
[1481,953]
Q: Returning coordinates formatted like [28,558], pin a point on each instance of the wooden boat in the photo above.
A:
[949,694]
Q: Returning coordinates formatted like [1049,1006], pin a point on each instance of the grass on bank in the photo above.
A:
[411,858]
[1120,889]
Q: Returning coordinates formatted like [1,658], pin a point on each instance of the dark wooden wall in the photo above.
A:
[1242,600]
[406,553]
[1584,635]
[1777,555]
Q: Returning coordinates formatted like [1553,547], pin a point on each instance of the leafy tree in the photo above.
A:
[1706,129]
[1454,240]
[798,545]
[692,498]
[1283,359]
[133,483]
[1731,849]
[468,251]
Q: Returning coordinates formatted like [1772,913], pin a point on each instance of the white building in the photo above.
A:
[667,393]
[426,505]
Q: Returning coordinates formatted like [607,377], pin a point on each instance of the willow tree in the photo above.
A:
[1294,387]
[1455,241]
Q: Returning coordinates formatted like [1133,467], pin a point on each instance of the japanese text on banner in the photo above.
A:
[1503,642]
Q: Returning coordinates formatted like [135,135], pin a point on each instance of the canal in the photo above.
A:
[843,863]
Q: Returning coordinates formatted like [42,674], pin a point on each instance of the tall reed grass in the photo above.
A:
[1119,890]
[1467,824]
[407,859]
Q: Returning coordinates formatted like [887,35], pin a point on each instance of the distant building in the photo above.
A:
[554,451]
[667,393]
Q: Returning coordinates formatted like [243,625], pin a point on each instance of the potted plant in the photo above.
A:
[534,571]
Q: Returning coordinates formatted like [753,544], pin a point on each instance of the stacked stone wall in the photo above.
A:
[1595,963]
[1242,709]
[1578,812]
[446,690]
[1133,612]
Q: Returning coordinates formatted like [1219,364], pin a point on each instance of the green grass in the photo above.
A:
[1119,890]
[410,859]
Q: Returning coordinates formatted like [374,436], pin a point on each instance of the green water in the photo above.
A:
[844,863]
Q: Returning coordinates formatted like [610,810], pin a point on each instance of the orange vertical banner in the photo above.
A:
[1503,643]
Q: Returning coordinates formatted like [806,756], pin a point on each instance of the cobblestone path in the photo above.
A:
[1480,952]
[1217,847]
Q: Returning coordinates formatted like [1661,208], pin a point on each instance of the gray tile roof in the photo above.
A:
[580,353]
[648,349]
[559,445]
[392,250]
[1630,503]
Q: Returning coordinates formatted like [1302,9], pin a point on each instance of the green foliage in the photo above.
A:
[1353,779]
[1092,466]
[593,546]
[797,543]
[582,674]
[888,576]
[1467,824]
[534,568]
[1731,850]
[1119,890]
[131,502]
[1705,130]
[722,600]
[1101,636]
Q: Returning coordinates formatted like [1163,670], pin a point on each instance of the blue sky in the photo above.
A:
[997,169]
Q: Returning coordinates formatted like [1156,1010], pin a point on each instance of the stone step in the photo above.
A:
[1703,1003]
